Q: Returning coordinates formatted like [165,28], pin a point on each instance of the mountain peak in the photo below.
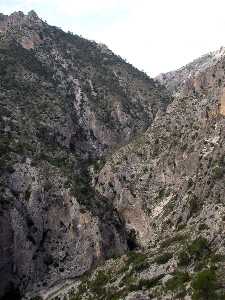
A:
[32,14]
[80,101]
[18,18]
[98,161]
[24,28]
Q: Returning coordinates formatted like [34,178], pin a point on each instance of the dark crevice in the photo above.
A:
[12,293]
[132,243]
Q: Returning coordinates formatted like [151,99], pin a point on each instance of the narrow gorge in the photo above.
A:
[111,182]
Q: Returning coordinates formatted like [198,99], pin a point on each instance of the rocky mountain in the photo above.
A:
[168,184]
[66,104]
[111,188]
[195,77]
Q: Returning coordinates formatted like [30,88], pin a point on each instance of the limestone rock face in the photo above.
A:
[109,99]
[200,74]
[65,103]
[167,184]
[172,164]
[110,188]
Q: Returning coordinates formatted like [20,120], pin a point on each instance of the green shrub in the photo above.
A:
[175,239]
[218,171]
[161,193]
[128,282]
[139,267]
[148,283]
[194,204]
[101,279]
[164,258]
[203,285]
[177,282]
[138,261]
[198,248]
[181,227]
[217,257]
[203,226]
[136,257]
[183,258]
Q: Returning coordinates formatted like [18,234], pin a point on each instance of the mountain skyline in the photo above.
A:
[111,182]
[167,34]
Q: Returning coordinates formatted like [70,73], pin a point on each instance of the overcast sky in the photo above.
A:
[154,35]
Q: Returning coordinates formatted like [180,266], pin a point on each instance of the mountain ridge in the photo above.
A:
[66,103]
[111,182]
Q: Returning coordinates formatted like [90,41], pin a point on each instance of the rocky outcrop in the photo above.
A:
[110,100]
[201,74]
[66,103]
[167,186]
[48,233]
[110,188]
[172,175]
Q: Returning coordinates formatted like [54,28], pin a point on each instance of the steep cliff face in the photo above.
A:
[98,161]
[112,100]
[203,74]
[65,103]
[172,149]
[168,184]
[204,77]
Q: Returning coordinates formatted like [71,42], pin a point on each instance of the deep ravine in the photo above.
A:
[111,183]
